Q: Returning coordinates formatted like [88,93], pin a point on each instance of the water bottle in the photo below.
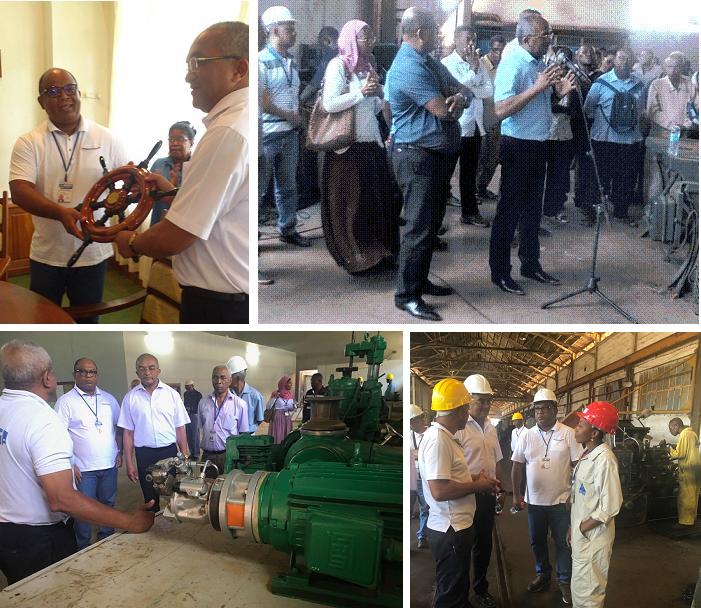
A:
[674,136]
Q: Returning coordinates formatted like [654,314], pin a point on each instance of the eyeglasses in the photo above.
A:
[548,34]
[193,64]
[177,139]
[87,373]
[371,39]
[69,89]
[150,368]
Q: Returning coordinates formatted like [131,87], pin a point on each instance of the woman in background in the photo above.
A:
[279,410]
[181,136]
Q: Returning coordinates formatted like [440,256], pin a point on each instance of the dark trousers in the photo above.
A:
[482,543]
[145,457]
[617,168]
[193,434]
[451,552]
[26,549]
[204,306]
[557,520]
[423,176]
[489,157]
[557,175]
[469,158]
[83,285]
[586,190]
[520,204]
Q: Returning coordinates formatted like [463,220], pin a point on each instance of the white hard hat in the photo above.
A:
[189,382]
[415,411]
[236,364]
[478,384]
[544,394]
[276,14]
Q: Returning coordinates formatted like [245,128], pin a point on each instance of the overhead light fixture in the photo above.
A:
[159,342]
[252,354]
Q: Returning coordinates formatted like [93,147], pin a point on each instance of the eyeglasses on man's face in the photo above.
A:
[548,34]
[195,63]
[86,373]
[142,370]
[69,89]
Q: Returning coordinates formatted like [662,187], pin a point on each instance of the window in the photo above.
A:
[666,387]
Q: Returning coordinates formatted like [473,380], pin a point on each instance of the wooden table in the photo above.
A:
[19,305]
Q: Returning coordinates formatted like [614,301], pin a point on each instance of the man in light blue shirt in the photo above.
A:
[238,367]
[523,87]
[279,101]
[616,150]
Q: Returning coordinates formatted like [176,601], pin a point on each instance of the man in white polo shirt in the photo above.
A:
[90,415]
[153,417]
[207,224]
[480,444]
[221,414]
[448,489]
[52,169]
[37,496]
[547,452]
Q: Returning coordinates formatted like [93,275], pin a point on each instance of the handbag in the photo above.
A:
[269,414]
[330,130]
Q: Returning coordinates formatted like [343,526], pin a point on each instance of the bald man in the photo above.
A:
[51,170]
[207,225]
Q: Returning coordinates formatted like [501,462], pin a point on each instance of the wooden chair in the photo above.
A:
[161,298]
[4,236]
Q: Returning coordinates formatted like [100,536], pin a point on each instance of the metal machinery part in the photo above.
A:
[648,477]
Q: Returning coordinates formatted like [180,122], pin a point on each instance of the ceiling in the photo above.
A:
[514,363]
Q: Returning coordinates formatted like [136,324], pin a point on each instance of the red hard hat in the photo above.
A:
[601,415]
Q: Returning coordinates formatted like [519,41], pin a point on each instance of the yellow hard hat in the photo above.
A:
[517,416]
[390,376]
[449,394]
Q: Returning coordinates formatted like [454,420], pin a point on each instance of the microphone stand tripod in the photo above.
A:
[592,285]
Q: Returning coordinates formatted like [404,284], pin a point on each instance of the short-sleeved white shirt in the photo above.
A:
[212,203]
[480,446]
[441,457]
[547,486]
[219,423]
[516,435]
[33,442]
[94,447]
[36,159]
[153,417]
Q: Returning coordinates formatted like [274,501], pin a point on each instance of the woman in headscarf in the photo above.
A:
[358,215]
[281,405]
[181,136]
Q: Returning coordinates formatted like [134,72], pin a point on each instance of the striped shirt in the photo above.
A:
[279,76]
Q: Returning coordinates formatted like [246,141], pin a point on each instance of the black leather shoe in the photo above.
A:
[431,289]
[419,309]
[485,600]
[442,230]
[508,285]
[440,245]
[539,583]
[475,220]
[541,276]
[487,195]
[295,239]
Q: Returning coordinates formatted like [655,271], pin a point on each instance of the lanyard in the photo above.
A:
[66,167]
[413,439]
[217,409]
[86,403]
[282,61]
[547,445]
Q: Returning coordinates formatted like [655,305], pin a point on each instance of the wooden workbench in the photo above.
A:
[171,565]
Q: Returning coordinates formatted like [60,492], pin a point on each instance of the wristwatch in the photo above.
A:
[130,242]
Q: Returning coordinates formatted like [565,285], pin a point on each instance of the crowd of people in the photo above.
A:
[59,466]
[437,107]
[55,165]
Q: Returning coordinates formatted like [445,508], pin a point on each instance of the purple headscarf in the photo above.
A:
[348,47]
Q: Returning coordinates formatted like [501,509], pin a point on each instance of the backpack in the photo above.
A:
[624,110]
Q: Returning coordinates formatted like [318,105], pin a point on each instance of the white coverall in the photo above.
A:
[596,493]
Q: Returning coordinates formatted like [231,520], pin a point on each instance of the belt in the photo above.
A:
[214,451]
[215,295]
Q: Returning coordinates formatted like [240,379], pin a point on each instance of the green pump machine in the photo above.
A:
[330,495]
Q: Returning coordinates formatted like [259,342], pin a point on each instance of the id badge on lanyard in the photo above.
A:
[65,193]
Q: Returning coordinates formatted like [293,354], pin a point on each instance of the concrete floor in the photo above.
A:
[309,287]
[647,570]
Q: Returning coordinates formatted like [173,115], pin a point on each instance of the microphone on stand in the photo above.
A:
[564,61]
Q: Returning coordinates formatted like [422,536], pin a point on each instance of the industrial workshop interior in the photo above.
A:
[645,257]
[634,401]
[295,499]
